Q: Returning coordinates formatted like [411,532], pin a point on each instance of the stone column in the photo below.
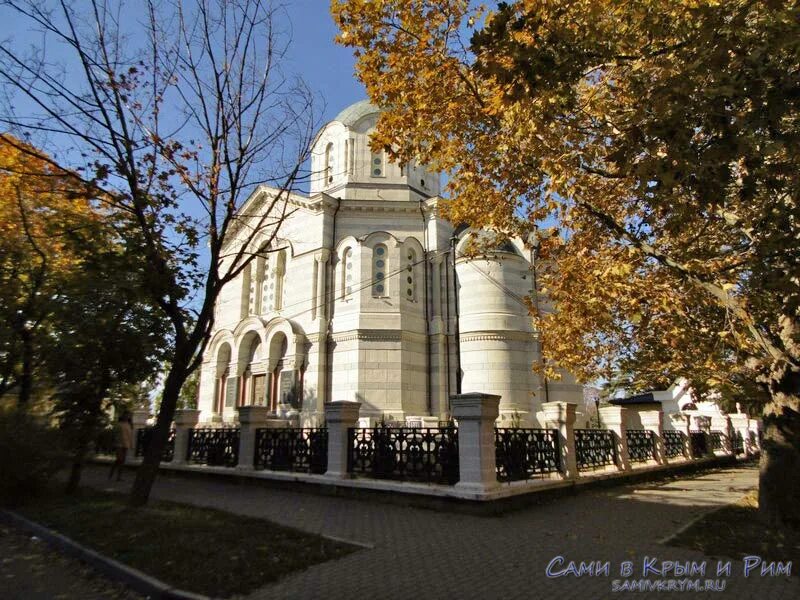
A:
[436,281]
[561,416]
[250,419]
[185,419]
[614,419]
[476,414]
[755,428]
[682,423]
[339,417]
[740,424]
[653,420]
[320,301]
[139,418]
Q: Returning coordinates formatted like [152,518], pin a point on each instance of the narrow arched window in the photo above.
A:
[280,276]
[380,264]
[409,275]
[328,172]
[347,273]
[259,267]
[244,301]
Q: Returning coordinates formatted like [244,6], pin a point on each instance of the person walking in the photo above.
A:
[123,440]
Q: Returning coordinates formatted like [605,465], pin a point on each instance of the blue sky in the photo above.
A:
[326,66]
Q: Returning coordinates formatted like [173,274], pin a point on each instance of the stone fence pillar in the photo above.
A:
[614,419]
[683,423]
[250,419]
[653,420]
[740,425]
[339,417]
[139,418]
[476,413]
[755,429]
[185,419]
[561,416]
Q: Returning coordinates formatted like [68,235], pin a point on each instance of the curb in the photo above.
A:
[133,578]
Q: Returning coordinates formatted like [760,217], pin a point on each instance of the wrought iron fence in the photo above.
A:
[525,453]
[595,448]
[716,440]
[673,442]
[143,437]
[699,443]
[214,447]
[641,445]
[292,449]
[410,454]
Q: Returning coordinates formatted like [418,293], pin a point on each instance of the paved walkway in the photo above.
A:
[421,553]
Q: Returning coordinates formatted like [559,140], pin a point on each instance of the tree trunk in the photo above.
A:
[779,477]
[76,471]
[147,471]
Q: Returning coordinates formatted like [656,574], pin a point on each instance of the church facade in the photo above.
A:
[365,296]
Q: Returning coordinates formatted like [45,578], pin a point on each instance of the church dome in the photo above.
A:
[344,163]
[355,112]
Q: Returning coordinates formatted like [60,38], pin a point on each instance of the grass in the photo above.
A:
[197,549]
[735,532]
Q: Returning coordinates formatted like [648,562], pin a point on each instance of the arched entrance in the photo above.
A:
[254,377]
[281,379]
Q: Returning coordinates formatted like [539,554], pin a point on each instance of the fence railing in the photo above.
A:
[427,455]
[641,445]
[292,449]
[525,453]
[143,437]
[213,447]
[716,440]
[595,448]
[673,443]
[699,443]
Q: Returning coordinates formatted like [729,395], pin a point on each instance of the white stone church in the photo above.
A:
[366,296]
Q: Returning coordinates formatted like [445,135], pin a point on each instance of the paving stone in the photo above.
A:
[421,553]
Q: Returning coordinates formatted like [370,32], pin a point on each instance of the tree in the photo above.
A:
[79,324]
[109,338]
[662,139]
[179,112]
[43,209]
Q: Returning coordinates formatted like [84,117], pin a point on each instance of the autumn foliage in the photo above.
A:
[656,147]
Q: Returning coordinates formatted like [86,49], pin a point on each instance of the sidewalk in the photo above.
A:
[419,553]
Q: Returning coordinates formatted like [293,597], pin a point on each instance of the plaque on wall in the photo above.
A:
[259,390]
[230,392]
[288,389]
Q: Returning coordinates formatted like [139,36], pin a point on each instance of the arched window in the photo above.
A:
[280,275]
[347,273]
[328,172]
[259,268]
[273,284]
[409,276]
[380,265]
[247,299]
